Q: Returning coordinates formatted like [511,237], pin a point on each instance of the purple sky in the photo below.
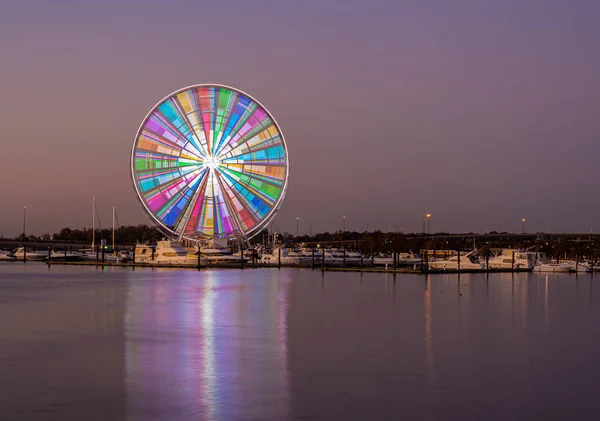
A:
[479,112]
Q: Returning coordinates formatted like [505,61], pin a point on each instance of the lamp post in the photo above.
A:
[523,225]
[24,220]
[297,222]
[344,223]
[428,217]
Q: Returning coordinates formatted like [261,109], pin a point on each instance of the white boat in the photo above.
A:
[22,253]
[336,257]
[579,266]
[543,264]
[511,259]
[173,253]
[217,255]
[353,257]
[402,259]
[306,255]
[71,256]
[408,259]
[381,259]
[144,253]
[467,261]
[7,256]
[89,254]
[280,255]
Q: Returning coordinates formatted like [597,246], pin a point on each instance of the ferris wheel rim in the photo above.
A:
[261,223]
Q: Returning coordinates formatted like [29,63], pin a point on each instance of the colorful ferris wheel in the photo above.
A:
[209,161]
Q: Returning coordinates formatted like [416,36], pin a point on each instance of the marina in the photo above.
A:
[171,254]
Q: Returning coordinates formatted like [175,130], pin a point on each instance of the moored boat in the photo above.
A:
[22,253]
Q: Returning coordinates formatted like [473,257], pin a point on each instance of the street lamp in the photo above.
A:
[344,223]
[297,222]
[523,225]
[428,217]
[24,220]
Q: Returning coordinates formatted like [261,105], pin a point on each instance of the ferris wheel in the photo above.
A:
[209,161]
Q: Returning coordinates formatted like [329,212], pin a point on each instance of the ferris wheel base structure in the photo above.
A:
[210,162]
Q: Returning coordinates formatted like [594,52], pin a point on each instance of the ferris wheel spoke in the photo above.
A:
[205,99]
[256,202]
[272,147]
[187,102]
[175,118]
[149,181]
[267,155]
[246,177]
[224,101]
[224,221]
[245,216]
[159,194]
[189,219]
[169,203]
[160,135]
[233,206]
[237,119]
[256,123]
[267,191]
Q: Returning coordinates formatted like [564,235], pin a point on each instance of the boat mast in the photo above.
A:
[93,221]
[113,231]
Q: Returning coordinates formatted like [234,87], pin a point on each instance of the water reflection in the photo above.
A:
[209,345]
[296,344]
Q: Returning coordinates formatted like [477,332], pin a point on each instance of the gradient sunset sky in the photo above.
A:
[479,112]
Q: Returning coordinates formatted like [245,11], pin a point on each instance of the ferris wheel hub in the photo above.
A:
[212,162]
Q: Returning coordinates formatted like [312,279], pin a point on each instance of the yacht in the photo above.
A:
[353,257]
[402,259]
[173,253]
[22,253]
[144,253]
[381,259]
[467,261]
[511,259]
[543,264]
[408,259]
[69,256]
[340,257]
[7,256]
[217,255]
[281,255]
[584,266]
[306,255]
[89,254]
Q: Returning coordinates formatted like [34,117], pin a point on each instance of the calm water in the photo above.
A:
[82,343]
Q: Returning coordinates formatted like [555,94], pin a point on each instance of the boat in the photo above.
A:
[543,264]
[144,253]
[402,259]
[281,255]
[408,259]
[7,256]
[68,255]
[579,266]
[172,253]
[381,259]
[468,261]
[22,253]
[90,254]
[353,257]
[510,259]
[218,255]
[306,254]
